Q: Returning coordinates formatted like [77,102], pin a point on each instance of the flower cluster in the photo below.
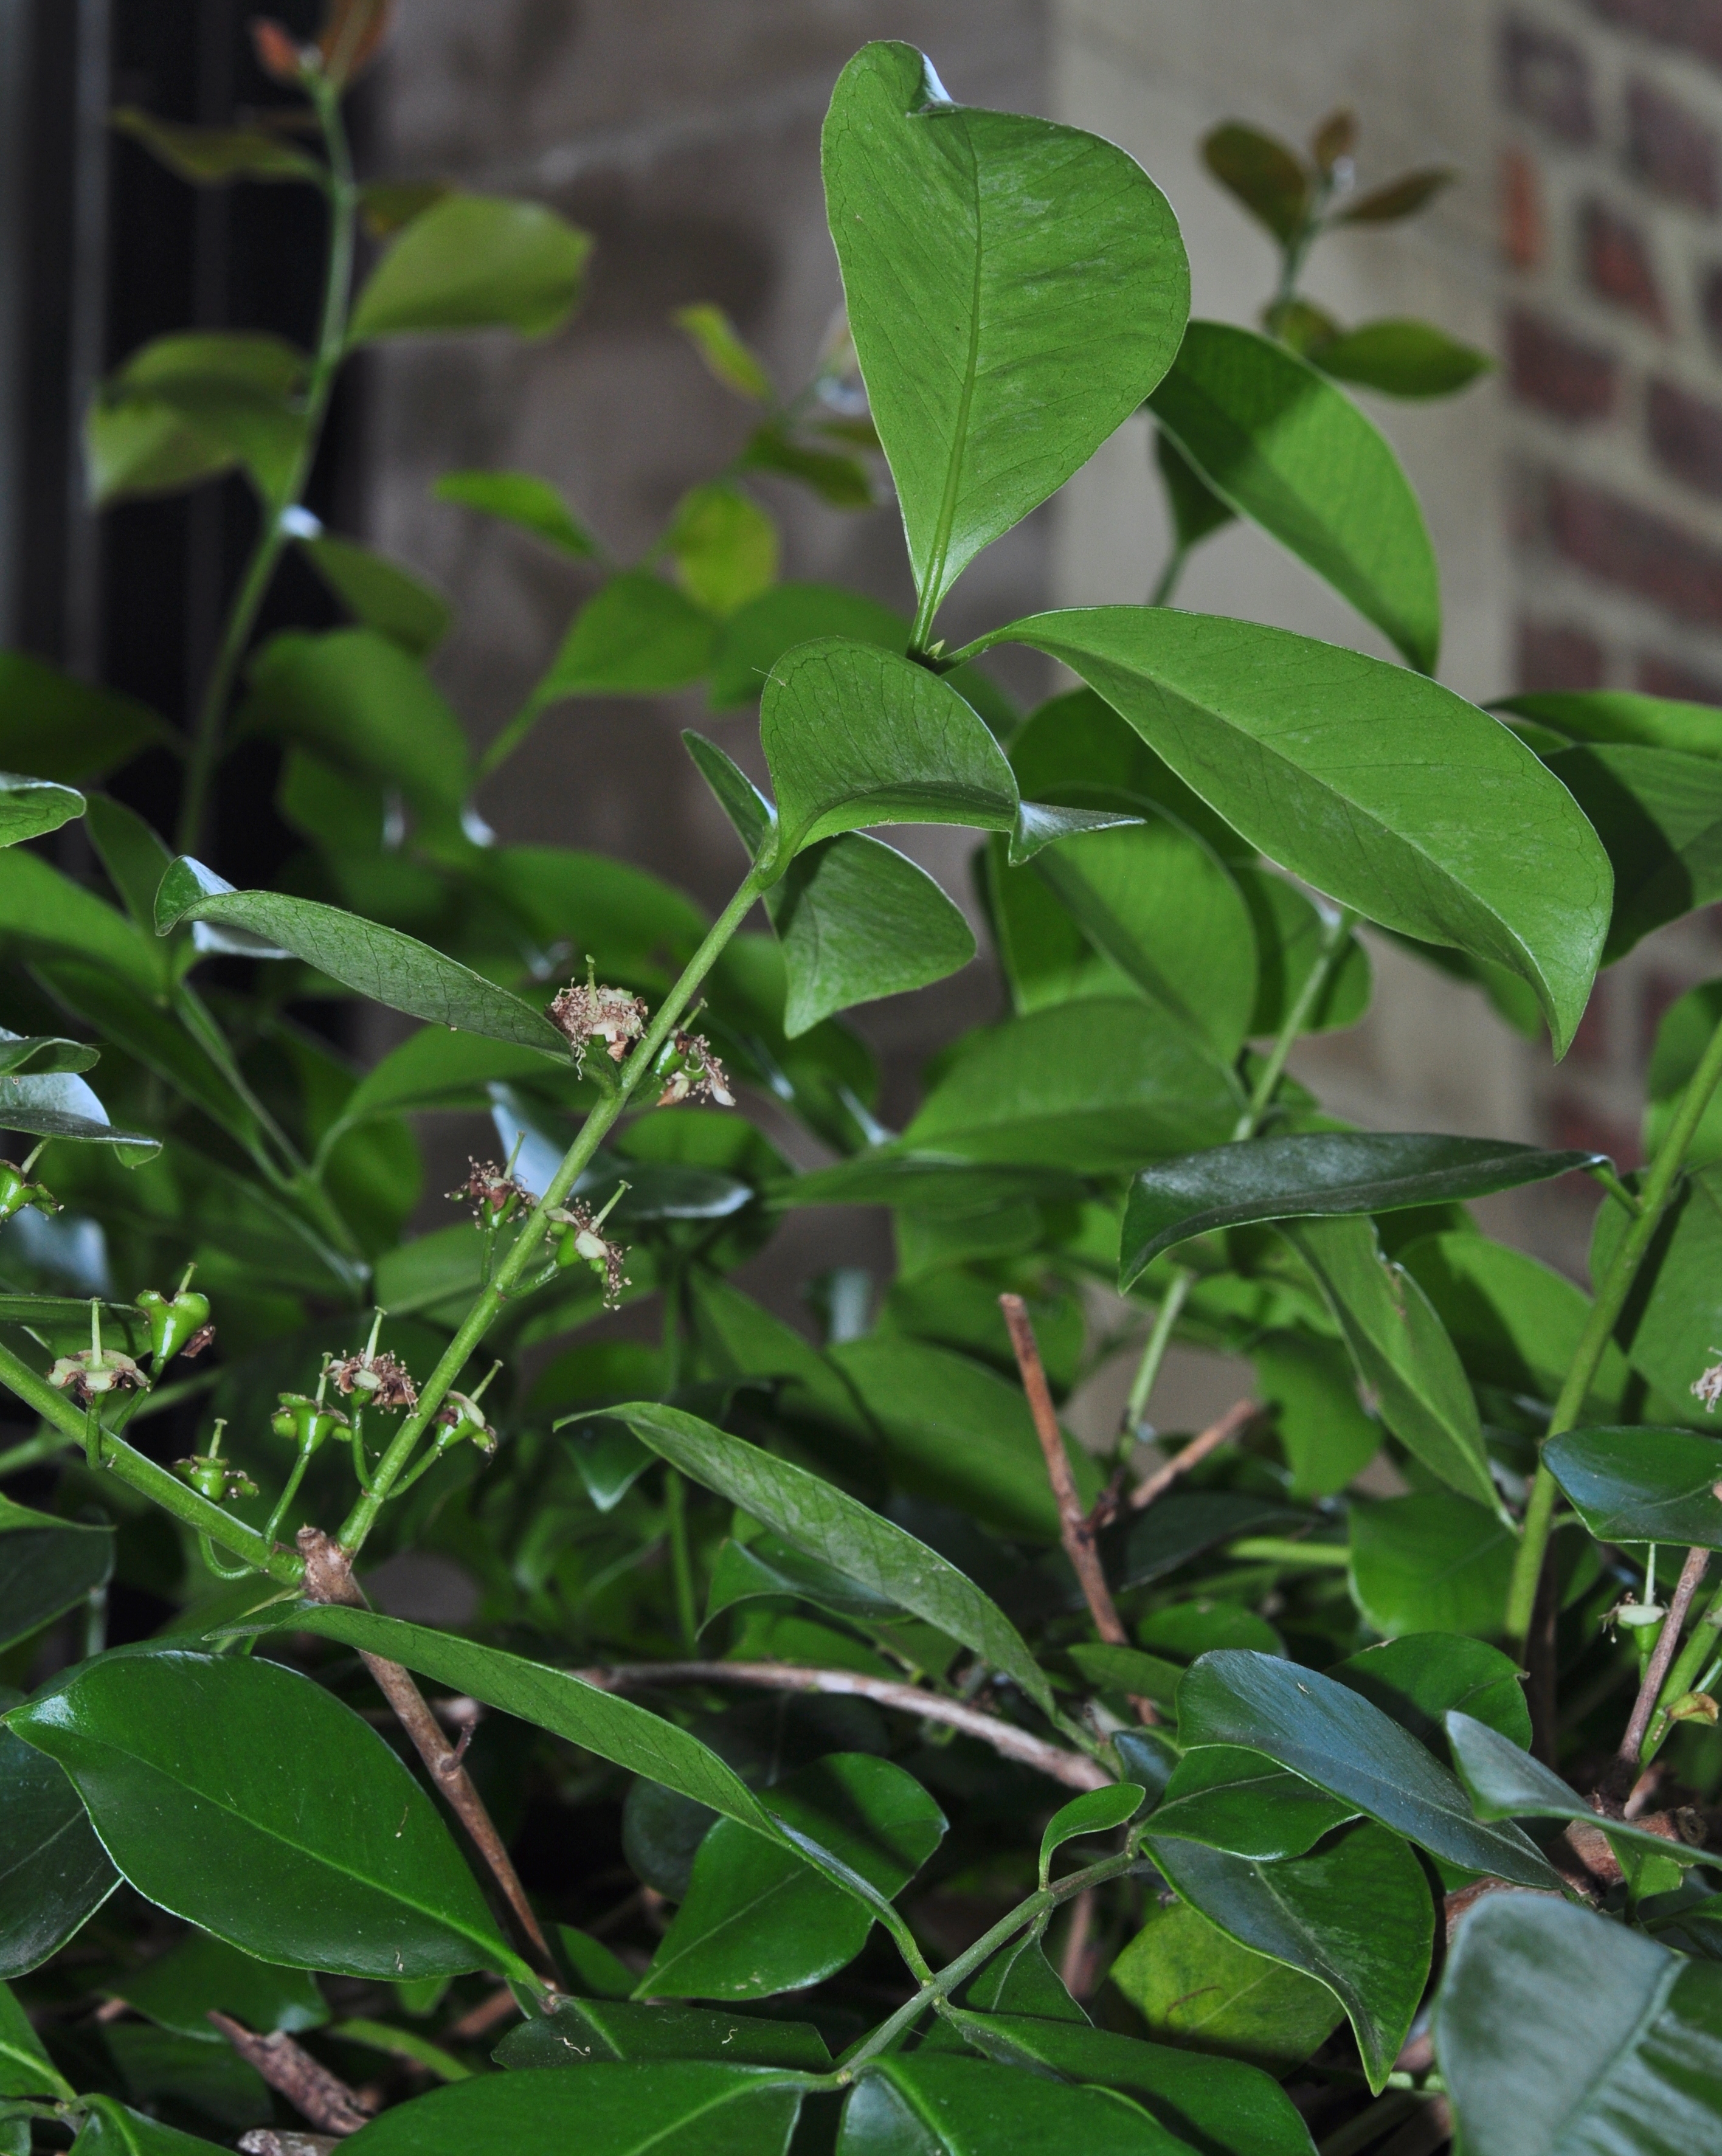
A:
[693,1073]
[1709,1387]
[582,1242]
[379,1381]
[493,1192]
[587,1011]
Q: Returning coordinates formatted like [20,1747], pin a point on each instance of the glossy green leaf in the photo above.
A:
[521,498]
[1506,1783]
[669,2108]
[719,343]
[1045,956]
[946,2103]
[1232,1798]
[582,2030]
[25,2068]
[1642,1485]
[112,2128]
[1682,1036]
[1094,1086]
[1279,443]
[1416,1679]
[756,1920]
[724,546]
[1561,2034]
[751,816]
[1096,1811]
[1194,1986]
[838,481]
[1153,899]
[1515,1321]
[1431,1562]
[1400,1352]
[637,637]
[59,727]
[47,1567]
[828,1524]
[1658,813]
[209,157]
[757,636]
[29,807]
[61,1106]
[1015,289]
[132,853]
[1319,1172]
[1402,357]
[1177,1528]
[363,955]
[1290,934]
[1672,1318]
[1335,1737]
[1207,2102]
[1311,1388]
[54,1873]
[1197,511]
[190,1767]
[1262,173]
[43,910]
[857,922]
[179,1991]
[474,262]
[1357,1915]
[364,704]
[1619,715]
[381,594]
[1384,790]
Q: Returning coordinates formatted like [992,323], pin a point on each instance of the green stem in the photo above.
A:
[1689,1665]
[1599,1328]
[1161,595]
[145,1477]
[596,1128]
[272,535]
[1147,1370]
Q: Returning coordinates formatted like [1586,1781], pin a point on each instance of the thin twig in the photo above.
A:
[328,1578]
[1625,1770]
[1236,1417]
[1071,1767]
[313,2093]
[479,2020]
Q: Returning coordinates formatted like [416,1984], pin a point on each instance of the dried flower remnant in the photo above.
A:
[583,1242]
[96,1371]
[197,1343]
[461,1416]
[1709,1387]
[695,1074]
[379,1381]
[588,1011]
[493,1192]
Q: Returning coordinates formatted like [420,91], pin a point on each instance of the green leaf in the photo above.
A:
[1177,1528]
[133,856]
[54,1873]
[434,1069]
[1311,1174]
[1357,1916]
[1562,2034]
[209,157]
[1400,1352]
[1642,1485]
[1093,1087]
[756,1920]
[1262,173]
[520,499]
[1310,1387]
[1335,1738]
[752,817]
[381,594]
[582,2030]
[1417,1678]
[1015,288]
[1196,1987]
[665,2107]
[1209,2103]
[1617,715]
[1096,1811]
[191,1768]
[29,807]
[1197,511]
[759,634]
[1154,899]
[944,2103]
[857,922]
[719,343]
[1401,197]
[828,1524]
[474,262]
[61,1106]
[724,546]
[1128,1671]
[1290,935]
[1232,1798]
[1430,1562]
[373,960]
[1386,791]
[185,407]
[839,481]
[1506,1783]
[179,1989]
[637,637]
[1282,446]
[1682,1037]
[615,1729]
[932,1185]
[1402,357]
[25,2068]
[112,2128]
[1673,1317]
[1658,813]
[57,727]
[365,704]
[47,1567]
[41,909]
[1515,1322]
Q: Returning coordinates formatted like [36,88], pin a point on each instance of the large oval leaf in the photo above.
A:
[1672,1324]
[1642,1485]
[30,807]
[474,262]
[1620,715]
[1196,1986]
[1244,1803]
[1658,813]
[942,2103]
[1562,2034]
[1386,791]
[61,1106]
[1430,1562]
[1319,1172]
[47,1566]
[1283,447]
[1015,289]
[54,1873]
[192,1768]
[667,2107]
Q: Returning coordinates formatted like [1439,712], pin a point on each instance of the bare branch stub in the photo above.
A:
[1235,1419]
[313,2093]
[1624,1772]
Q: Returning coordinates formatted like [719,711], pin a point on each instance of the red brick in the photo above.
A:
[1523,225]
[1622,544]
[1658,677]
[1617,262]
[1669,148]
[1686,434]
[1557,372]
[1548,78]
[1554,654]
[1694,25]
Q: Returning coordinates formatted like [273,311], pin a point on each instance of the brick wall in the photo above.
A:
[1611,199]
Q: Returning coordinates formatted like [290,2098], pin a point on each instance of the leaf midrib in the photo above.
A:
[934,591]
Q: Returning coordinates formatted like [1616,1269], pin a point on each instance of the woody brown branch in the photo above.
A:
[328,1578]
[313,2093]
[1236,1419]
[1624,1772]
